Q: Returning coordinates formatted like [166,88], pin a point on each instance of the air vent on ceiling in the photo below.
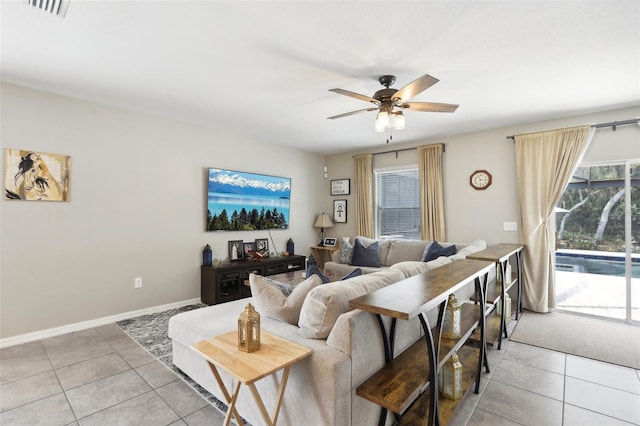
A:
[54,7]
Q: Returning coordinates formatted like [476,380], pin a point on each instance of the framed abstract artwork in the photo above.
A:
[36,176]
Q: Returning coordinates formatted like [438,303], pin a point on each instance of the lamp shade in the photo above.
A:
[323,221]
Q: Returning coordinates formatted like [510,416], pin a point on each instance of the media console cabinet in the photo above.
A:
[224,283]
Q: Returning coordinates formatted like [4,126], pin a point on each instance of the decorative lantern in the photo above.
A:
[451,378]
[506,304]
[499,277]
[290,247]
[451,323]
[207,255]
[249,329]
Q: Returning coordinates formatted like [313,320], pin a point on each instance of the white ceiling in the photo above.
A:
[265,67]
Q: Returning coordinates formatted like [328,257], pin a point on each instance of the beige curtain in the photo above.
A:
[363,191]
[544,164]
[431,193]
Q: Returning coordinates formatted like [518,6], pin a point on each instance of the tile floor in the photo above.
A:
[102,377]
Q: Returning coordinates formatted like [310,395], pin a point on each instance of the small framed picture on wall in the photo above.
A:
[340,211]
[340,187]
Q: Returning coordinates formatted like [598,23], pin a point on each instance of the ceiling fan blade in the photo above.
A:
[346,114]
[429,107]
[355,95]
[416,86]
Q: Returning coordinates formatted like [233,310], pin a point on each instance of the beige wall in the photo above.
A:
[138,199]
[472,214]
[137,209]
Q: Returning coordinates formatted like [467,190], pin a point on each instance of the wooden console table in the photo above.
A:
[500,255]
[275,354]
[323,252]
[407,385]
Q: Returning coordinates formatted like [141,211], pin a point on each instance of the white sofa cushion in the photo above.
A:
[270,301]
[324,304]
[401,250]
[414,267]
[473,247]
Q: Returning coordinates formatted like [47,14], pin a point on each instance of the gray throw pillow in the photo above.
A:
[285,288]
[366,256]
[271,302]
[346,251]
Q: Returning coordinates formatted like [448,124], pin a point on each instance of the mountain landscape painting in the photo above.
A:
[239,201]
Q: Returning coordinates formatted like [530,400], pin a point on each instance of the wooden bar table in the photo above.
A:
[400,385]
[500,255]
[275,354]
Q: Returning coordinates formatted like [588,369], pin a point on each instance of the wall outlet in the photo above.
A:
[137,283]
[510,226]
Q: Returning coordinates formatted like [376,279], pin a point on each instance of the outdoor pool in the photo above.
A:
[596,262]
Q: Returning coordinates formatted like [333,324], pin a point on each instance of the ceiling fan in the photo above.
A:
[387,100]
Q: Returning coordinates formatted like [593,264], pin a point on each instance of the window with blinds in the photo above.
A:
[397,204]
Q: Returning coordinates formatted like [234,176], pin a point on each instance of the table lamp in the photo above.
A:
[322,221]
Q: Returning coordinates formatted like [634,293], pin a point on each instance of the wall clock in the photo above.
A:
[480,179]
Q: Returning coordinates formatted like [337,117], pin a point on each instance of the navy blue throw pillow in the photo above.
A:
[366,256]
[313,269]
[436,250]
[356,272]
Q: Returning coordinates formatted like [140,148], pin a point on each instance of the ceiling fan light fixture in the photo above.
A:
[398,120]
[382,120]
[378,127]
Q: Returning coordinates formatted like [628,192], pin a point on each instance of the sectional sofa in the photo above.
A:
[346,343]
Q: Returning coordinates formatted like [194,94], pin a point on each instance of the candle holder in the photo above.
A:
[451,322]
[451,378]
[249,329]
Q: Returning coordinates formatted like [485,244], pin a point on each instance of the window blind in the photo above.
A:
[397,204]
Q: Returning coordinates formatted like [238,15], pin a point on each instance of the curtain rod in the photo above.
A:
[613,124]
[396,151]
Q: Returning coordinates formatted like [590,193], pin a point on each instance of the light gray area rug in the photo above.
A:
[602,340]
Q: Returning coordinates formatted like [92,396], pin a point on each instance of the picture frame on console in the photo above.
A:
[249,249]
[236,250]
[262,246]
[329,242]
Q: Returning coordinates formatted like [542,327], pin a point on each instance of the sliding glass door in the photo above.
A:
[598,242]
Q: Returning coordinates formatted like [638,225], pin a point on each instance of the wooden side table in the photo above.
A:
[221,352]
[323,252]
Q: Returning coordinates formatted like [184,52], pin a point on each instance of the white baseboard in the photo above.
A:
[57,331]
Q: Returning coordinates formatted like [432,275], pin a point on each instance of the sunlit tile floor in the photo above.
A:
[102,377]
